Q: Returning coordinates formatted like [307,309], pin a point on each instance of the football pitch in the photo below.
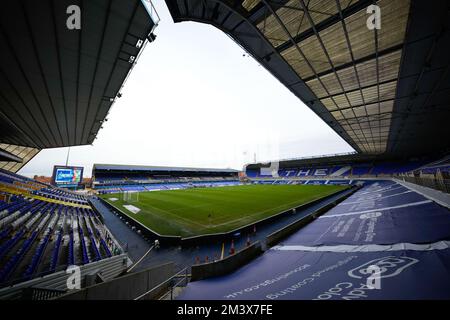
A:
[197,211]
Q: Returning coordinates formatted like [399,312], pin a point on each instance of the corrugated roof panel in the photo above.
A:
[25,153]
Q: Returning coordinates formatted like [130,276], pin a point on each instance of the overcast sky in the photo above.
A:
[195,98]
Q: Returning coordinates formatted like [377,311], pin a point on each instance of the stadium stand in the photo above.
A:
[121,178]
[355,169]
[385,92]
[440,166]
[349,169]
[37,230]
[46,103]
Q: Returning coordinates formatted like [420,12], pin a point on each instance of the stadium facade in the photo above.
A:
[109,178]
[63,64]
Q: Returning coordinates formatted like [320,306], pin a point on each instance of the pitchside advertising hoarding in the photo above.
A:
[67,177]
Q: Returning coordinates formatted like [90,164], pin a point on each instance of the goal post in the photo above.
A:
[130,196]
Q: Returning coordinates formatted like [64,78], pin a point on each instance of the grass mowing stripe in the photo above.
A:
[283,207]
[196,211]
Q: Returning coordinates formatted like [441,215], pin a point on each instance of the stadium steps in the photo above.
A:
[64,250]
[47,255]
[56,252]
[91,251]
[97,236]
[341,171]
[175,293]
[16,242]
[10,267]
[28,257]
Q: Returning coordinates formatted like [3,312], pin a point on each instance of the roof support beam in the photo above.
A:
[7,156]
[322,45]
[358,61]
[357,6]
[359,88]
[295,44]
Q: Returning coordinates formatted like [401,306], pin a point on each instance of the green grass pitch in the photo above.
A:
[196,211]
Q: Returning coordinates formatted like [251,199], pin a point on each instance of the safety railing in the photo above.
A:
[437,184]
[40,293]
[169,289]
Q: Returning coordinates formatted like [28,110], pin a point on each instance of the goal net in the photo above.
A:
[130,196]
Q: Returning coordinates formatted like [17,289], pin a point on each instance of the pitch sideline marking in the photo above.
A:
[175,215]
[190,222]
[260,212]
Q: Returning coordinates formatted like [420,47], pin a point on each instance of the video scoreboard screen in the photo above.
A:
[67,177]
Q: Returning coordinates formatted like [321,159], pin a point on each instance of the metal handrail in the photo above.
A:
[183,279]
[140,260]
[437,184]
[183,272]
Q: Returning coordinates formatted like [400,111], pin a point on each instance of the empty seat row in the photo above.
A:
[12,263]
[55,253]
[40,237]
[37,256]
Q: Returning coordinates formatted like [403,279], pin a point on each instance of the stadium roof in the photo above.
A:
[157,168]
[384,91]
[15,157]
[8,156]
[57,84]
[330,160]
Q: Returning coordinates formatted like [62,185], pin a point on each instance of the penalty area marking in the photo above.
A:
[131,208]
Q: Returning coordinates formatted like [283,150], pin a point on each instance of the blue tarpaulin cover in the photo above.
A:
[384,242]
